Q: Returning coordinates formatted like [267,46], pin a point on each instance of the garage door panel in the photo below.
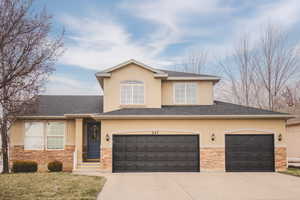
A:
[155,153]
[249,152]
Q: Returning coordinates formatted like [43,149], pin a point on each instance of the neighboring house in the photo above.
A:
[293,141]
[151,120]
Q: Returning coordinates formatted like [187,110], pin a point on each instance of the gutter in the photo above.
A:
[41,117]
[192,116]
[97,116]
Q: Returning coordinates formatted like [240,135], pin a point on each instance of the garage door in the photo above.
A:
[246,153]
[155,153]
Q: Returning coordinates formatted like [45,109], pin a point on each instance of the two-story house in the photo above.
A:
[150,120]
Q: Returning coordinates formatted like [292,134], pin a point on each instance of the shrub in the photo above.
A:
[24,166]
[55,166]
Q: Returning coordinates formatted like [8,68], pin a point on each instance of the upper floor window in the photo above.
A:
[185,93]
[132,92]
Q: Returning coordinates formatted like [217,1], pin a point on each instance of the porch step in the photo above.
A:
[87,170]
[88,164]
[87,167]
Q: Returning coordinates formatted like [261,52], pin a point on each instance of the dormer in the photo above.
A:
[135,85]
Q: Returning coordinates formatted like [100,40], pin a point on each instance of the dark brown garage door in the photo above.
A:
[155,153]
[247,153]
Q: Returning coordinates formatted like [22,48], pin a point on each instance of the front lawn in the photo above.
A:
[292,171]
[49,186]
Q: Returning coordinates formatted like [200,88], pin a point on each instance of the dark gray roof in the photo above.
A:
[185,74]
[54,105]
[218,108]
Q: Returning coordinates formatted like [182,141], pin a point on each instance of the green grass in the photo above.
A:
[292,171]
[54,186]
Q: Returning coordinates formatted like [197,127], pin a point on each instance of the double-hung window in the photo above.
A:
[185,93]
[44,135]
[34,136]
[55,135]
[132,93]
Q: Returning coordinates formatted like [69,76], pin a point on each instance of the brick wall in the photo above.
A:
[43,157]
[106,159]
[280,158]
[212,159]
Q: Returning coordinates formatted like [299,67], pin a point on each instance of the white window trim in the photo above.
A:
[45,145]
[46,137]
[34,149]
[130,84]
[185,99]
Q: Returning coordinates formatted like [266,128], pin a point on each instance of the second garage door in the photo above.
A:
[248,153]
[155,153]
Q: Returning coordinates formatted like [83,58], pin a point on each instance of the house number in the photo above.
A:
[155,132]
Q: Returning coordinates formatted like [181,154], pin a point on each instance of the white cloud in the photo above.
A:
[97,42]
[63,85]
[284,14]
[101,43]
[173,17]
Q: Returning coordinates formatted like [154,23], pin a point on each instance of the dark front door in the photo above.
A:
[155,153]
[246,153]
[93,140]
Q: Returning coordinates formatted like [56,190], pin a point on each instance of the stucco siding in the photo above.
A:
[152,87]
[204,92]
[203,127]
[293,141]
[17,132]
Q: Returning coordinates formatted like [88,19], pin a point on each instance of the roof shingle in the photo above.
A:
[54,105]
[218,108]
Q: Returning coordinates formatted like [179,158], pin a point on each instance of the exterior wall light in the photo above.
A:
[280,137]
[213,137]
[107,138]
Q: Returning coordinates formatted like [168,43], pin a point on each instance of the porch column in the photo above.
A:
[78,138]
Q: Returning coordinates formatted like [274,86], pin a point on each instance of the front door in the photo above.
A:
[93,140]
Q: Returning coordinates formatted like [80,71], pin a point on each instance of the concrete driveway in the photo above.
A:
[201,186]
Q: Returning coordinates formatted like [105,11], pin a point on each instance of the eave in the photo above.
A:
[192,117]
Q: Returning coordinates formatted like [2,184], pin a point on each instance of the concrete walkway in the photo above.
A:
[200,186]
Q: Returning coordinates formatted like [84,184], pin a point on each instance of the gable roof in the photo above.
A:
[131,61]
[91,106]
[158,73]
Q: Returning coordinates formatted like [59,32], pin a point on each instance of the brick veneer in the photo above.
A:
[43,157]
[106,159]
[212,159]
[280,158]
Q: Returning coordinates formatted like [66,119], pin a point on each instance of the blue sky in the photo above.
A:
[160,33]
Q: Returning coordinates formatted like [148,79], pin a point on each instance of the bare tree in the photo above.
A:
[289,100]
[238,71]
[27,56]
[257,75]
[276,64]
[194,62]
